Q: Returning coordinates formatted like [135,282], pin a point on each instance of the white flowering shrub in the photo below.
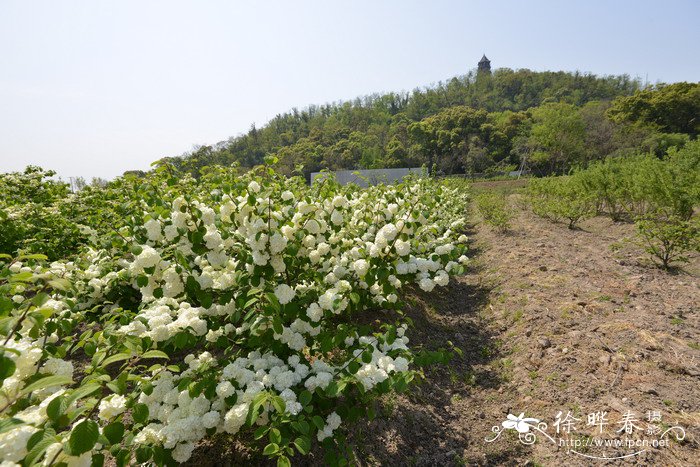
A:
[232,304]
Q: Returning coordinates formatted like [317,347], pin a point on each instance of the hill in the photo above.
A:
[478,122]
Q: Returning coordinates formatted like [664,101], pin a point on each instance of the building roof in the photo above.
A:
[484,59]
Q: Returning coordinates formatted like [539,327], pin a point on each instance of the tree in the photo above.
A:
[448,136]
[373,130]
[673,108]
[557,138]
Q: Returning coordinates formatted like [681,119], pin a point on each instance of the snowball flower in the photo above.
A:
[183,452]
[210,419]
[254,187]
[153,230]
[225,389]
[361,267]
[426,284]
[314,312]
[337,217]
[402,248]
[313,227]
[332,423]
[277,243]
[284,293]
[111,407]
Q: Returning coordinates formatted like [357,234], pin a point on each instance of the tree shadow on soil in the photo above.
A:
[418,428]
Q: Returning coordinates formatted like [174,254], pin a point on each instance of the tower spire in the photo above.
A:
[484,65]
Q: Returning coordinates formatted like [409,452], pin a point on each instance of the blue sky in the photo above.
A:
[94,88]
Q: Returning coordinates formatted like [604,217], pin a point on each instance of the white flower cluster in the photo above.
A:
[166,317]
[111,407]
[268,270]
[332,424]
[284,293]
[26,354]
[381,365]
[26,357]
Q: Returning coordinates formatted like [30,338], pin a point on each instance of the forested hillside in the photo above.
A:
[480,122]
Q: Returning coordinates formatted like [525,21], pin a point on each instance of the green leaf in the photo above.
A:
[181,259]
[115,387]
[332,389]
[41,298]
[283,461]
[253,414]
[278,404]
[47,439]
[46,312]
[142,281]
[400,385]
[271,449]
[60,283]
[304,427]
[180,339]
[98,460]
[7,368]
[56,408]
[5,305]
[90,349]
[155,354]
[122,457]
[305,398]
[116,358]
[36,256]
[260,432]
[143,453]
[9,423]
[52,380]
[277,325]
[318,421]
[353,367]
[140,413]
[114,432]
[82,391]
[275,436]
[303,444]
[83,437]
[22,277]
[391,336]
[205,298]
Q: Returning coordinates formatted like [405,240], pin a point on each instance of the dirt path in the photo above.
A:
[549,320]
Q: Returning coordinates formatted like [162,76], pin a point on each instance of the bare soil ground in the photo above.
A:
[550,320]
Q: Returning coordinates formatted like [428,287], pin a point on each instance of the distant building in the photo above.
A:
[484,65]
